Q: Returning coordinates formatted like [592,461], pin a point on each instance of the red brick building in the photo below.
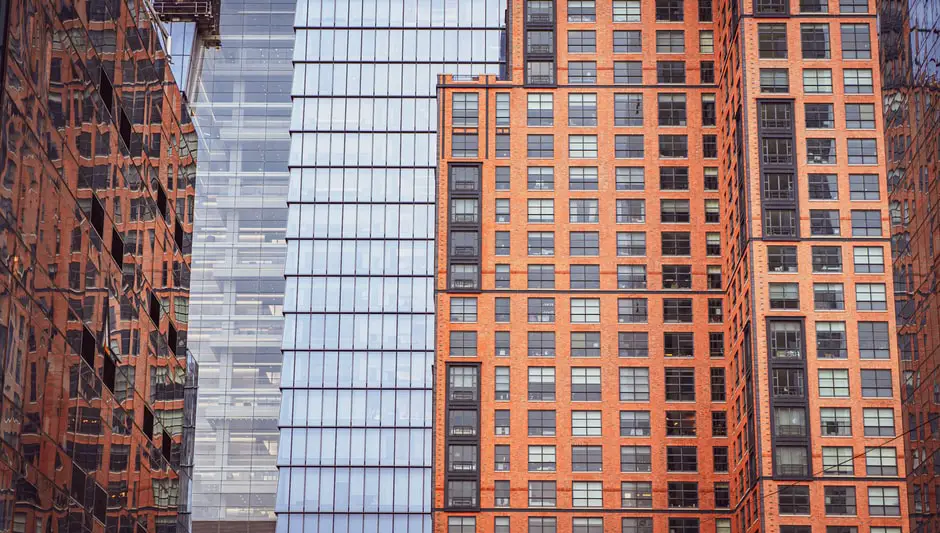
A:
[663,294]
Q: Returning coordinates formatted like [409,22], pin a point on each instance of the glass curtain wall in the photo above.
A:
[355,420]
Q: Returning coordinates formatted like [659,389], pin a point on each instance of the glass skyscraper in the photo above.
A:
[355,419]
[239,93]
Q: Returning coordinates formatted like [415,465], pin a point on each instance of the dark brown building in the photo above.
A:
[664,296]
[96,193]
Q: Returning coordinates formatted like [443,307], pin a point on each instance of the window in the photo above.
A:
[542,384]
[669,10]
[876,384]
[821,151]
[828,297]
[881,461]
[541,243]
[464,144]
[463,309]
[873,340]
[884,501]
[815,39]
[827,259]
[823,187]
[673,146]
[541,458]
[772,7]
[840,500]
[670,71]
[784,296]
[866,223]
[824,222]
[674,211]
[719,424]
[586,423]
[461,524]
[502,145]
[786,339]
[777,151]
[582,111]
[582,72]
[582,211]
[628,110]
[676,243]
[628,72]
[582,146]
[502,210]
[462,458]
[584,243]
[718,384]
[680,385]
[502,243]
[501,524]
[540,178]
[501,313]
[637,525]
[626,10]
[628,42]
[540,146]
[706,42]
[629,178]
[501,458]
[772,41]
[862,152]
[541,343]
[819,116]
[632,344]
[636,495]
[833,383]
[837,461]
[634,384]
[705,10]
[539,110]
[463,343]
[502,109]
[542,494]
[860,116]
[628,146]
[586,458]
[585,310]
[465,109]
[869,259]
[501,422]
[585,344]
[678,344]
[781,259]
[774,80]
[672,109]
[587,525]
[681,459]
[501,344]
[543,525]
[670,42]
[856,41]
[541,310]
[540,42]
[631,243]
[779,186]
[582,178]
[817,81]
[864,187]
[713,277]
[707,72]
[831,340]
[631,276]
[870,297]
[788,382]
[581,11]
[712,212]
[631,211]
[709,146]
[790,422]
[680,423]
[682,495]
[587,494]
[635,459]
[677,310]
[541,211]
[793,499]
[709,110]
[541,423]
[502,179]
[858,81]
[836,421]
[634,423]
[674,178]
[853,6]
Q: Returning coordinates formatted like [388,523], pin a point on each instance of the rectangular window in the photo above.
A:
[465,109]
[856,41]
[869,259]
[870,297]
[631,276]
[628,110]
[636,495]
[876,384]
[541,310]
[682,495]
[541,211]
[502,179]
[774,80]
[772,7]
[626,10]
[831,340]
[817,81]
[501,422]
[679,344]
[464,144]
[858,81]
[632,310]
[828,297]
[582,146]
[631,244]
[541,72]
[628,42]
[815,40]
[540,146]
[633,344]
[463,343]
[582,178]
[542,494]
[631,211]
[680,385]
[463,309]
[793,499]
[670,42]
[824,222]
[781,259]
[840,500]
[821,151]
[581,11]
[628,146]
[709,110]
[676,243]
[873,340]
[587,494]
[706,42]
[585,384]
[669,10]
[884,501]
[820,116]
[833,383]
[635,459]
[586,423]
[634,423]
[540,178]
[582,72]
[584,243]
[628,72]
[502,383]
[674,178]
[674,211]
[680,423]
[838,461]
[670,71]
[827,258]
[542,459]
[502,109]
[539,110]
[784,296]
[823,187]
[772,41]
[672,109]
[705,11]
[634,384]
[881,461]
[541,243]
[836,421]
[629,178]
[541,276]
[586,458]
[866,223]
[673,146]
[862,151]
[582,109]
[878,422]
[707,72]
[585,344]
[541,423]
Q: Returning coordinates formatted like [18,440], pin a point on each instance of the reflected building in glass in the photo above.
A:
[356,410]
[98,174]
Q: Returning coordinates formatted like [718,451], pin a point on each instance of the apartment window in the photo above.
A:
[501,344]
[772,41]
[631,276]
[706,42]
[541,384]
[674,146]
[676,243]
[870,297]
[873,340]
[585,310]
[634,384]
[866,223]
[582,178]
[543,525]
[869,259]
[631,243]
[876,384]
[781,259]
[461,524]
[633,344]
[585,344]
[856,41]
[541,458]
[713,277]
[777,151]
[540,42]
[463,309]
[837,461]
[719,424]
[824,222]
[864,187]
[672,110]
[834,383]
[710,146]
[587,525]
[464,144]
[628,110]
[628,72]
[790,421]
[858,81]
[786,340]
[541,243]
[793,499]
[631,211]
[840,500]
[636,495]
[628,146]
[827,259]
[772,7]
[707,72]
[582,72]
[586,423]
[582,111]
[680,385]
[582,42]
[634,423]
[502,179]
[541,423]
[823,187]
[705,10]
[631,310]
[821,151]
[670,42]
[784,296]
[709,110]
[502,145]
[860,116]
[718,384]
[853,6]
[539,110]
[774,80]
[582,211]
[542,494]
[678,344]
[862,151]
[587,494]
[502,109]
[463,343]
[884,501]
[582,146]
[831,340]
[540,146]
[635,459]
[626,10]
[819,116]
[828,297]
[541,211]
[677,310]
[501,460]
[815,40]
[586,458]
[682,495]
[541,310]
[715,312]
[501,313]
[501,422]
[817,81]
[629,178]
[680,423]
[881,461]
[628,42]
[788,382]
[637,525]
[502,383]
[669,10]
[674,211]
[674,178]
[502,210]
[501,243]
[465,109]
[581,11]
[584,243]
[540,178]
[779,186]
[541,343]
[836,421]
[670,71]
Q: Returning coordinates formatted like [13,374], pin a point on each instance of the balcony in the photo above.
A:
[790,430]
[796,470]
[540,16]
